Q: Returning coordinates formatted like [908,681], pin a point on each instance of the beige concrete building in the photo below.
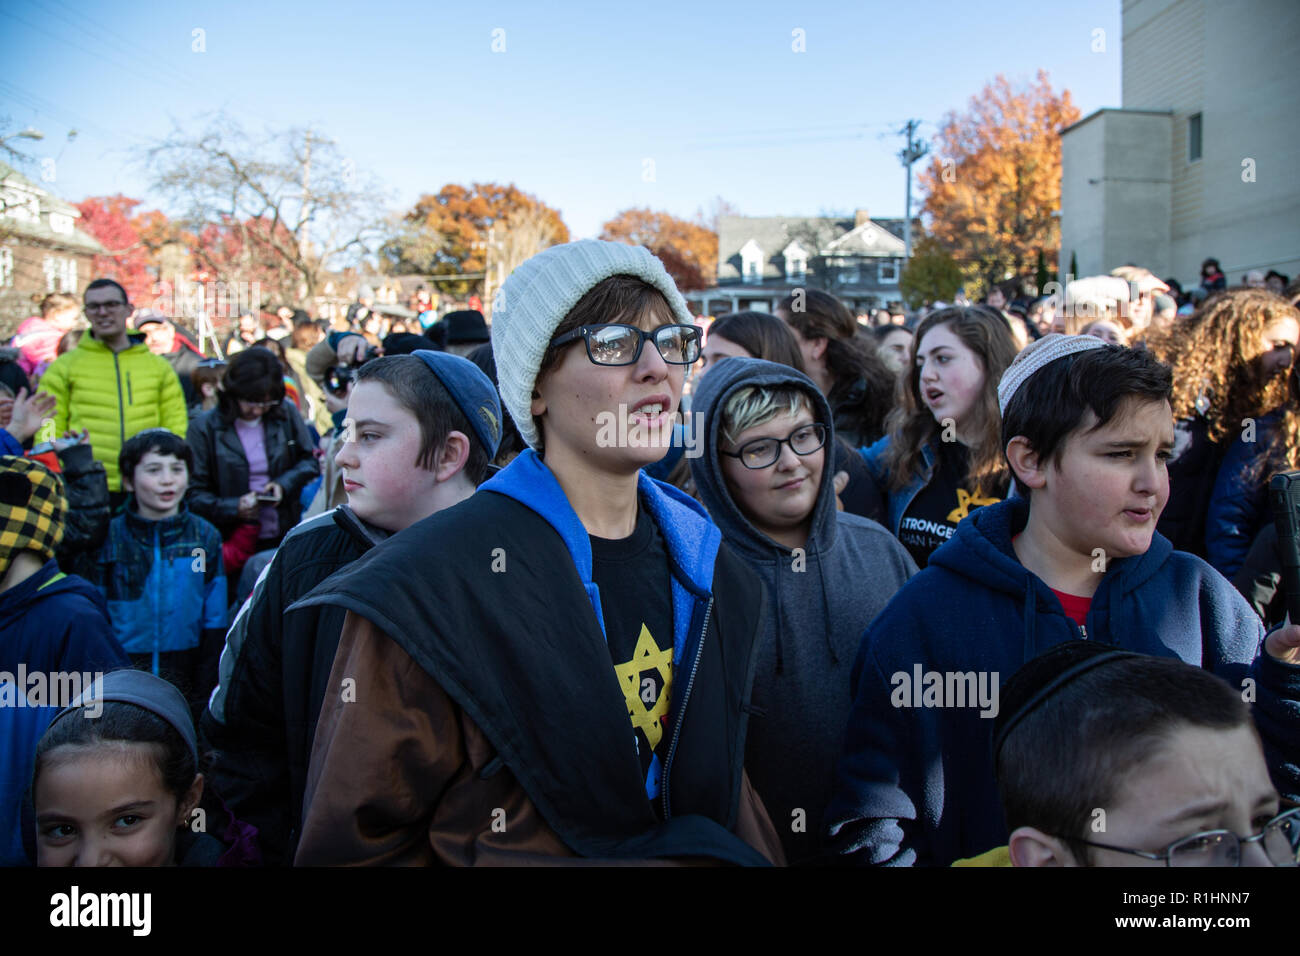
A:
[1201,159]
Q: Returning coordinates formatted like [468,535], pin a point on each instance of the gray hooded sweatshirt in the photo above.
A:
[820,604]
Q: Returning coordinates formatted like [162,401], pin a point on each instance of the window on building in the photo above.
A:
[6,268]
[60,274]
[60,222]
[751,258]
[887,271]
[1194,137]
[847,271]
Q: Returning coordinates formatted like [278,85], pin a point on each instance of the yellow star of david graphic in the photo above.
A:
[966,501]
[646,656]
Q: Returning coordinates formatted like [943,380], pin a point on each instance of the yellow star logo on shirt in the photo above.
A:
[647,655]
[966,501]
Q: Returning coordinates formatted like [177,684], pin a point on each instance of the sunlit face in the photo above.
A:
[894,349]
[159,485]
[1107,331]
[105,805]
[997,299]
[1112,483]
[1200,778]
[615,418]
[951,376]
[384,485]
[780,497]
[716,348]
[107,312]
[160,337]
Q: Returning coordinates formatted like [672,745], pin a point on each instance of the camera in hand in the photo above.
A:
[339,377]
[1284,496]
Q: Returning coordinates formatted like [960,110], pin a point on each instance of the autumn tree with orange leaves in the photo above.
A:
[688,250]
[462,230]
[994,179]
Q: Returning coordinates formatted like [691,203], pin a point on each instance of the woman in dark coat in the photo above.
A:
[252,453]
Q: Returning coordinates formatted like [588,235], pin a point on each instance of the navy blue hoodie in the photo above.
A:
[52,622]
[915,784]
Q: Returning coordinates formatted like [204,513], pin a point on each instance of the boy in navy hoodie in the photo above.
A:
[1087,430]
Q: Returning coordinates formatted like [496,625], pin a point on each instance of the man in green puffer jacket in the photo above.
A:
[111,384]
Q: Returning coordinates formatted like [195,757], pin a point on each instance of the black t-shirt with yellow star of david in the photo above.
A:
[932,517]
[636,598]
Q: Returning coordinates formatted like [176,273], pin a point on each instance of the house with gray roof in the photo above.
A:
[763,259]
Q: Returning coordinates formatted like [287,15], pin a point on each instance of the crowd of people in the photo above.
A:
[594,583]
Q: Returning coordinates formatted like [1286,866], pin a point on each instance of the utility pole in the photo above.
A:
[914,150]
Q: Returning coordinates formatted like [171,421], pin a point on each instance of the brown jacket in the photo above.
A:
[400,775]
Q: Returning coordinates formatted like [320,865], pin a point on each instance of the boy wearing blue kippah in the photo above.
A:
[1087,430]
[419,434]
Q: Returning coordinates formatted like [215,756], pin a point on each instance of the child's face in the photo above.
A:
[1111,484]
[159,485]
[384,485]
[951,375]
[1199,779]
[781,496]
[598,413]
[106,806]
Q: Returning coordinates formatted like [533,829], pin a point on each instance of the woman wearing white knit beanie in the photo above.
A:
[574,620]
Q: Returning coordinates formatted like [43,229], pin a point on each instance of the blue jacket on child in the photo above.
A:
[163,581]
[915,784]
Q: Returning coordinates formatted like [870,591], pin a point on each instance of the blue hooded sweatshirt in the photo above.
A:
[915,784]
[50,623]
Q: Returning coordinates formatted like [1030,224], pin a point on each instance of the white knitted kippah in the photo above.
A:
[1033,357]
[536,297]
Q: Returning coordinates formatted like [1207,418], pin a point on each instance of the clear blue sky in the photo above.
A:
[583,94]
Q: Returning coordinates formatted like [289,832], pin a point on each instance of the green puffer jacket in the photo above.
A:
[114,395]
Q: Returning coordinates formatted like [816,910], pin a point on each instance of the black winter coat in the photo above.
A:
[262,718]
[220,475]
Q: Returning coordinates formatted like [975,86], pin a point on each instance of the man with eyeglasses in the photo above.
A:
[764,477]
[559,666]
[1110,758]
[111,384]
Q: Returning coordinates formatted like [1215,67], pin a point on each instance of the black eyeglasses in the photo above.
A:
[103,306]
[622,344]
[1280,839]
[763,452]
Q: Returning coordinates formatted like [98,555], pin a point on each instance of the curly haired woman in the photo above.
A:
[1230,361]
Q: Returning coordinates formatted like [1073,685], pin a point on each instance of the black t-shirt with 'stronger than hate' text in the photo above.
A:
[636,599]
[932,517]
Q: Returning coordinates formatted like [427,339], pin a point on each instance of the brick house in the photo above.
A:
[41,248]
[762,259]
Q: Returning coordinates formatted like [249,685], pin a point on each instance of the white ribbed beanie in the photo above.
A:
[1037,354]
[536,297]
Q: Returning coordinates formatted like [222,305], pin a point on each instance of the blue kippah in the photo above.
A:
[473,393]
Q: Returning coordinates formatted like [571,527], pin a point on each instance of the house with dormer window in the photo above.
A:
[763,259]
[41,248]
